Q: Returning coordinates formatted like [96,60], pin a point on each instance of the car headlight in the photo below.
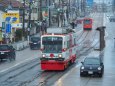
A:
[82,67]
[60,55]
[99,68]
[43,55]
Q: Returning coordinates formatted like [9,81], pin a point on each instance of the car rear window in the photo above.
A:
[35,39]
[4,47]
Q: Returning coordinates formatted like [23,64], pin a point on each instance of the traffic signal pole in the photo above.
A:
[23,24]
[101,38]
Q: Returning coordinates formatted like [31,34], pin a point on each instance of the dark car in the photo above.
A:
[92,66]
[7,52]
[112,19]
[34,43]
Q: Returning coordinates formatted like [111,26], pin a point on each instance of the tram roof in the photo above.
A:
[59,30]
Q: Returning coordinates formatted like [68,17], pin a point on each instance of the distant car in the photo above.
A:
[34,43]
[92,66]
[7,52]
[112,19]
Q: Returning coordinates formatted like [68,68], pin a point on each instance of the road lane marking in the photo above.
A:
[65,75]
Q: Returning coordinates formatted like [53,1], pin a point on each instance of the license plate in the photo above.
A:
[2,52]
[35,43]
[90,72]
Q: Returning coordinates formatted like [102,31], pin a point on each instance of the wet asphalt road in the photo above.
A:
[73,78]
[32,75]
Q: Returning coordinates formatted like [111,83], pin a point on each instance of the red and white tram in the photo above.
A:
[58,49]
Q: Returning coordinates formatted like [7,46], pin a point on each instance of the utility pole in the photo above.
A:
[40,10]
[49,13]
[59,13]
[23,24]
[29,22]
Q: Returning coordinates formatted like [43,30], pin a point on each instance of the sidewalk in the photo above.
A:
[21,45]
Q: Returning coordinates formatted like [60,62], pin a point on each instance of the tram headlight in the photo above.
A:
[60,55]
[43,55]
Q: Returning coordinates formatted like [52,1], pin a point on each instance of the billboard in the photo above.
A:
[89,3]
[11,17]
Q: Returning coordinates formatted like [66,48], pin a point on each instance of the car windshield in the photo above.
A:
[4,47]
[35,39]
[92,61]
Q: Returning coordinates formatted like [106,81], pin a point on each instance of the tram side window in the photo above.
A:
[74,41]
[68,44]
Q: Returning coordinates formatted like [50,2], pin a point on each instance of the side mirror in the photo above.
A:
[102,63]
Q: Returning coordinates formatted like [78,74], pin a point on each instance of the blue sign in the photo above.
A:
[14,19]
[8,28]
[8,19]
[90,3]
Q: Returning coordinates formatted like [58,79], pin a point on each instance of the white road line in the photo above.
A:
[64,76]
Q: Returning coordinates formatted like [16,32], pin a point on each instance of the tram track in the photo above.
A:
[101,52]
[38,74]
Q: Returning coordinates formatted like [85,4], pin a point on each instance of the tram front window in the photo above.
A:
[87,22]
[52,44]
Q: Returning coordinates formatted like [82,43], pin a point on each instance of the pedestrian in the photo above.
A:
[44,26]
[73,24]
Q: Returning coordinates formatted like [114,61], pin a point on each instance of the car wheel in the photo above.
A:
[81,75]
[14,57]
[100,75]
[1,60]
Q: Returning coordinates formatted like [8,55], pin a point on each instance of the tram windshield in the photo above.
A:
[52,44]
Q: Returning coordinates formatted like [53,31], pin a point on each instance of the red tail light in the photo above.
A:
[41,49]
[63,50]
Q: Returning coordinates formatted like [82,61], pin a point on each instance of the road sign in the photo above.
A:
[12,17]
[8,28]
[90,3]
